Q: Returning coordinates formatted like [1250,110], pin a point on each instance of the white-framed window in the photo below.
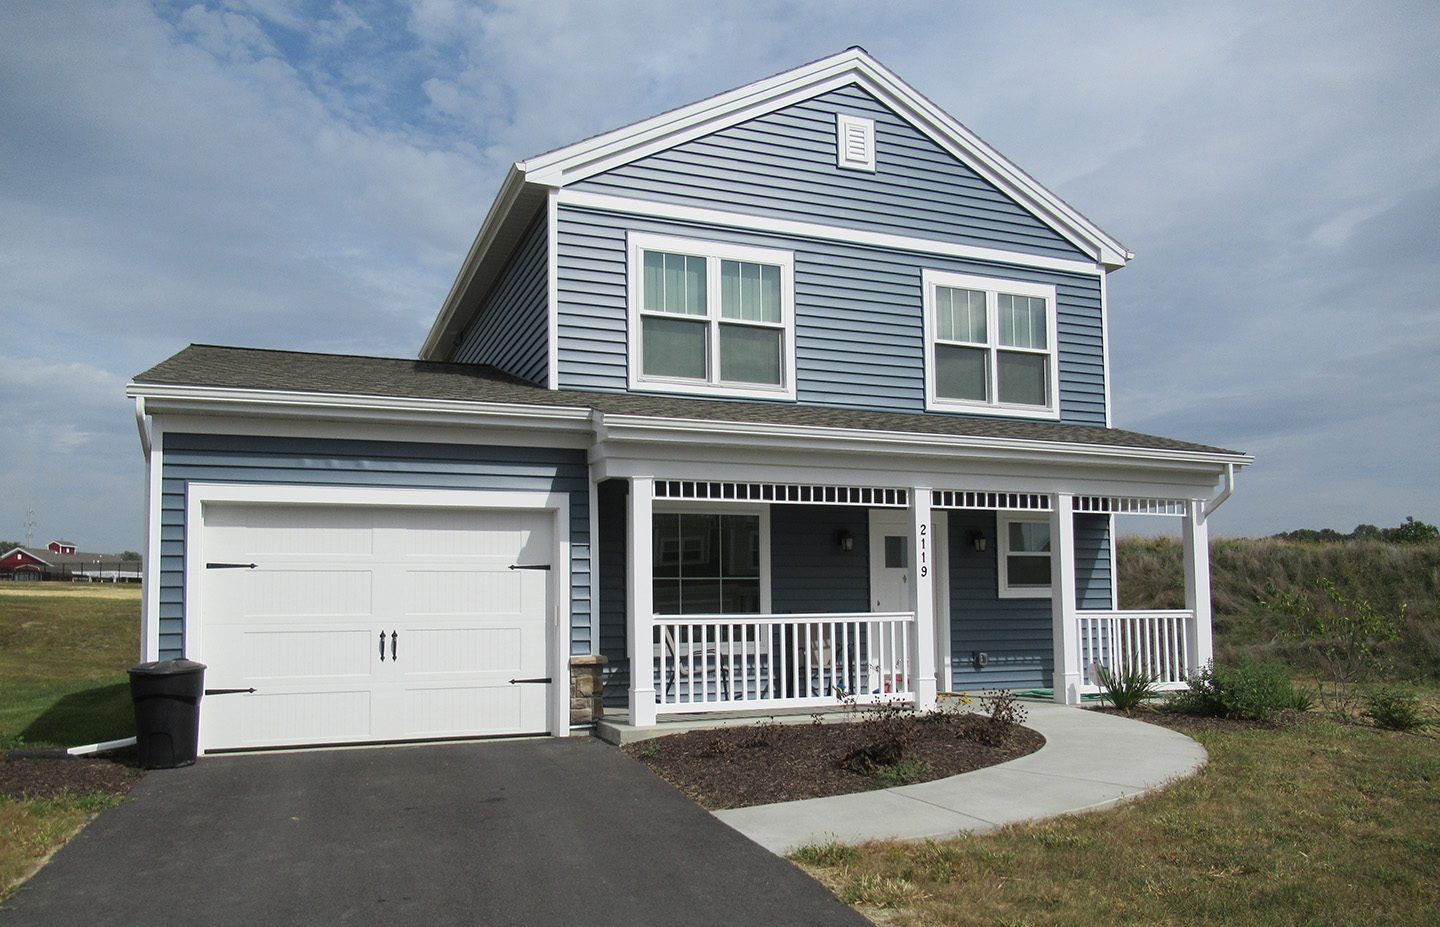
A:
[990,346]
[711,560]
[1023,553]
[711,318]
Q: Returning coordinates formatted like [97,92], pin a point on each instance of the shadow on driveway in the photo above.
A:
[521,832]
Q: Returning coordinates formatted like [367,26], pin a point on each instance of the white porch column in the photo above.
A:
[1065,622]
[1199,636]
[922,598]
[639,600]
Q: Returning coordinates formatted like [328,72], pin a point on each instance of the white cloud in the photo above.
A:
[308,175]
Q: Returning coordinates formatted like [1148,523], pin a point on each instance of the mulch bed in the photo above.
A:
[1197,724]
[31,774]
[770,762]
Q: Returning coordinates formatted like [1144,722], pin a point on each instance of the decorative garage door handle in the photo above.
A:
[382,646]
[394,636]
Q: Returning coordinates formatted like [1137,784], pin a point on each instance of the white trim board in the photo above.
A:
[199,494]
[765,225]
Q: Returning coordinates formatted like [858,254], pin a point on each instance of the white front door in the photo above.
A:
[361,624]
[890,575]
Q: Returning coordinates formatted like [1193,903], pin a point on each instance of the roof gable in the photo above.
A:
[782,165]
[851,67]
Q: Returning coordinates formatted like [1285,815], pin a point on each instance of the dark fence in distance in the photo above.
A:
[97,571]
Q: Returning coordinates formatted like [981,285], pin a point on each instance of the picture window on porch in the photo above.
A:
[990,345]
[1023,556]
[711,318]
[706,563]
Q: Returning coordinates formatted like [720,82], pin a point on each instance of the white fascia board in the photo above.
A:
[611,428]
[604,152]
[654,209]
[165,398]
[494,220]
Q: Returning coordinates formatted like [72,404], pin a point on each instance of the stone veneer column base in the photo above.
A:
[587,686]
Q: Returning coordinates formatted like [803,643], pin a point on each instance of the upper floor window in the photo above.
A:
[990,346]
[711,318]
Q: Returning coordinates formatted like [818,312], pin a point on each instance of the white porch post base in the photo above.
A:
[1064,608]
[922,598]
[640,587]
[1199,637]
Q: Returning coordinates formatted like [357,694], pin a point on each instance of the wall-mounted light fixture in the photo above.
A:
[978,540]
[845,539]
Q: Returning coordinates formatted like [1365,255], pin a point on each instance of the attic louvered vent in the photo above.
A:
[854,142]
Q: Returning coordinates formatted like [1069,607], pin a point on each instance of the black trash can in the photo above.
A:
[167,711]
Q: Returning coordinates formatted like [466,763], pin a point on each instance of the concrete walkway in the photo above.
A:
[1090,761]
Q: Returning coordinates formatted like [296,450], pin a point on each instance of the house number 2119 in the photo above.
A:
[924,565]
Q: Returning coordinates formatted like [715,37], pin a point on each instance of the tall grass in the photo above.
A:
[1243,570]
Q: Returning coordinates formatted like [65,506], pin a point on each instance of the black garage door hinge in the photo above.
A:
[229,566]
[228,691]
[546,679]
[529,566]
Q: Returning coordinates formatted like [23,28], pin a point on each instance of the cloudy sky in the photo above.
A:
[302,175]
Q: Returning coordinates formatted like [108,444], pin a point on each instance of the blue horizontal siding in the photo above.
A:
[1016,634]
[512,331]
[782,165]
[859,316]
[324,462]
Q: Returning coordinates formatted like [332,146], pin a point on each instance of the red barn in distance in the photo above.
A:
[60,560]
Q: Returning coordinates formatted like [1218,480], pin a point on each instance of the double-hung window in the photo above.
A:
[990,346]
[711,318]
[1024,556]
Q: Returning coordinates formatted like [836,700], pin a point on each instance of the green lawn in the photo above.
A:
[64,650]
[1315,823]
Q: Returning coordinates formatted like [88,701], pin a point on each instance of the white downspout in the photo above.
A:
[142,425]
[1213,504]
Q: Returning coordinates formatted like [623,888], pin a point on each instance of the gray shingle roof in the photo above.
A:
[252,368]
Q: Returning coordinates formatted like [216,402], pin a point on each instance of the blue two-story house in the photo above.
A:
[798,392]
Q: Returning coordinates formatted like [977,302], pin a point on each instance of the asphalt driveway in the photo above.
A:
[553,832]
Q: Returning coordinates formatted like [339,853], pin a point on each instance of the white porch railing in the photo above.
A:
[731,662]
[1154,642]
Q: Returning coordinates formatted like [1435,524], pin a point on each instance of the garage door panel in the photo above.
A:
[462,592]
[275,654]
[305,717]
[455,711]
[273,593]
[468,534]
[447,650]
[267,530]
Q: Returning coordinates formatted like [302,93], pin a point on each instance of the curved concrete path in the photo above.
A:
[1090,761]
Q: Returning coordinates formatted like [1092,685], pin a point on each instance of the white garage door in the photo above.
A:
[371,624]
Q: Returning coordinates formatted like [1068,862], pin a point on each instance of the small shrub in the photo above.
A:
[887,728]
[1395,708]
[1346,634]
[761,734]
[1246,690]
[826,854]
[648,750]
[1005,714]
[1125,689]
[901,773]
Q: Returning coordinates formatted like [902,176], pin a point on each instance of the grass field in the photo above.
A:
[64,650]
[1316,823]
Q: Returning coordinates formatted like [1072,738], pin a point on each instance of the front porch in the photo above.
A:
[729,600]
